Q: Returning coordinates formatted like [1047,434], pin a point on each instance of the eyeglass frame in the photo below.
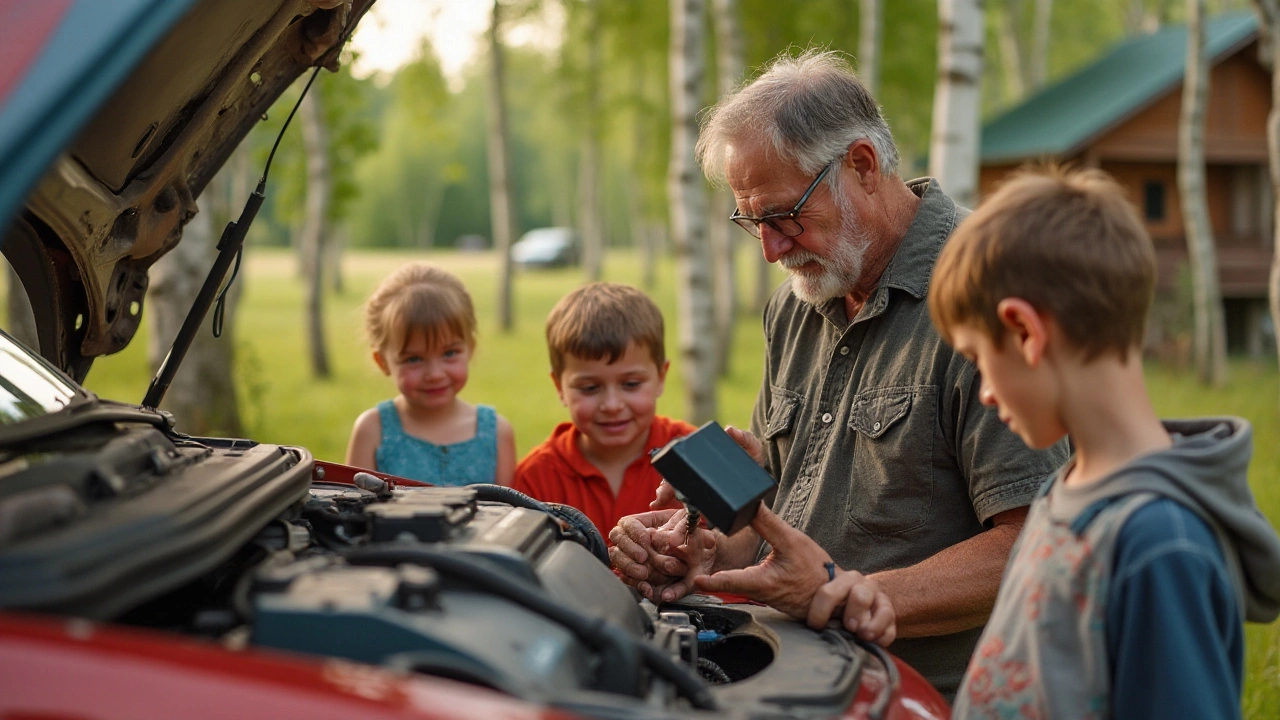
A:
[793,214]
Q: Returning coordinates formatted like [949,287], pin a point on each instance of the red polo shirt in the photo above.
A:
[557,471]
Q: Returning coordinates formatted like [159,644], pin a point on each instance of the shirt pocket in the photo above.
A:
[893,435]
[783,406]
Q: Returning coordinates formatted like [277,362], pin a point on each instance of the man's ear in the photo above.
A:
[1028,329]
[382,362]
[861,155]
[662,376]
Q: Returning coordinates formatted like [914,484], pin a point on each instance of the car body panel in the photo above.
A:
[146,100]
[55,667]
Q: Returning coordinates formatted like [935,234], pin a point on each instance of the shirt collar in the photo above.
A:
[936,216]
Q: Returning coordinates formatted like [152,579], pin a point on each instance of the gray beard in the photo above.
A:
[838,275]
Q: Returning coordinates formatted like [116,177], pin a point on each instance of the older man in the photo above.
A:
[872,425]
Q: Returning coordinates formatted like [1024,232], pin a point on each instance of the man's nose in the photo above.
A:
[773,243]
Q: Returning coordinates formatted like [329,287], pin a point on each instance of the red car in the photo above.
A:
[149,574]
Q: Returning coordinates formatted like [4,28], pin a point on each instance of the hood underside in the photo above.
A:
[117,196]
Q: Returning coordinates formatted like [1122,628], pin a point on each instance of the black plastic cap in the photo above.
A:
[716,476]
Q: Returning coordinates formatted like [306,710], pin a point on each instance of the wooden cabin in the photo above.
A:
[1121,114]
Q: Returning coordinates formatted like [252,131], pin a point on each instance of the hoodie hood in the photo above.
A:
[1206,470]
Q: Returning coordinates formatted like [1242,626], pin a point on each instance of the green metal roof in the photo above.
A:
[1064,116]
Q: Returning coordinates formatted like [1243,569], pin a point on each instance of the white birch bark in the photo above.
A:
[1012,50]
[1269,21]
[590,205]
[202,396]
[729,70]
[21,321]
[499,162]
[1209,340]
[686,194]
[957,99]
[315,225]
[870,14]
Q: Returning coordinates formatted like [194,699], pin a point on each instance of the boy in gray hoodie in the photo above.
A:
[1126,591]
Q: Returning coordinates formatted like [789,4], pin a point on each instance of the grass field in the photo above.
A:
[281,403]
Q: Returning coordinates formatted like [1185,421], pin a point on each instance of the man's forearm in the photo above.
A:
[953,590]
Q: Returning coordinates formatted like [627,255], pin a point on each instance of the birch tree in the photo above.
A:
[957,100]
[870,13]
[590,204]
[21,322]
[1209,339]
[729,69]
[202,396]
[499,167]
[686,192]
[315,224]
[1268,22]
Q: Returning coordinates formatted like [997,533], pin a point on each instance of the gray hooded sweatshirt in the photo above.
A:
[1124,598]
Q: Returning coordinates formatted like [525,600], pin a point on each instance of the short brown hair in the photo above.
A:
[1067,242]
[421,297]
[602,319]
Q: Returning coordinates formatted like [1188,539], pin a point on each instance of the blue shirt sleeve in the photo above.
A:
[1174,633]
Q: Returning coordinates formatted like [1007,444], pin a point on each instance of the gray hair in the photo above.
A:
[808,108]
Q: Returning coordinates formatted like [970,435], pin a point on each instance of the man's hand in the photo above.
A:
[787,579]
[653,553]
[747,442]
[868,613]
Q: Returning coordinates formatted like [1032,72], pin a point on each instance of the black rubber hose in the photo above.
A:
[595,632]
[585,533]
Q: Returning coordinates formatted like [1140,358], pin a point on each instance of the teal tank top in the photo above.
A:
[465,463]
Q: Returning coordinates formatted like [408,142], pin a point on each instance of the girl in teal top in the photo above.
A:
[421,325]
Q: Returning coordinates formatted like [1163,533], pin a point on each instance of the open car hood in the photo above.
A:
[113,117]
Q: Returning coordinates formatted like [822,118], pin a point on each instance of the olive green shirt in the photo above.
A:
[882,451]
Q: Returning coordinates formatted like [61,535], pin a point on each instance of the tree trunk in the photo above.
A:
[499,184]
[315,224]
[957,100]
[1012,52]
[202,397]
[1268,22]
[729,69]
[21,321]
[687,197]
[870,14]
[1209,341]
[591,220]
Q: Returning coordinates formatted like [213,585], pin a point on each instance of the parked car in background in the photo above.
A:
[546,247]
[149,574]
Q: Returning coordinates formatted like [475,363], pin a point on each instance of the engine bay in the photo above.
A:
[248,546]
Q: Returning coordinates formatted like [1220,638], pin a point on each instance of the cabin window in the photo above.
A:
[1153,200]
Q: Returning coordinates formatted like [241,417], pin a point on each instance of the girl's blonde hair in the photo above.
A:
[419,297]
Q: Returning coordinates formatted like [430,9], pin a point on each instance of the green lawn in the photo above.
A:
[281,403]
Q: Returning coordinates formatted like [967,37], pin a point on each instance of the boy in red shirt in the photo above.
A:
[608,363]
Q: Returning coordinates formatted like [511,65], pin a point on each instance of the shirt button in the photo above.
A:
[876,426]
[826,417]
[844,350]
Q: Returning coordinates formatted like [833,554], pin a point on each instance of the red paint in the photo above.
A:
[58,668]
[25,27]
[345,474]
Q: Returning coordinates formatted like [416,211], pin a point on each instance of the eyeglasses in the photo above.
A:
[787,223]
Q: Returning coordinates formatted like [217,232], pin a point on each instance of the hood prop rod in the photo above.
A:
[229,247]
